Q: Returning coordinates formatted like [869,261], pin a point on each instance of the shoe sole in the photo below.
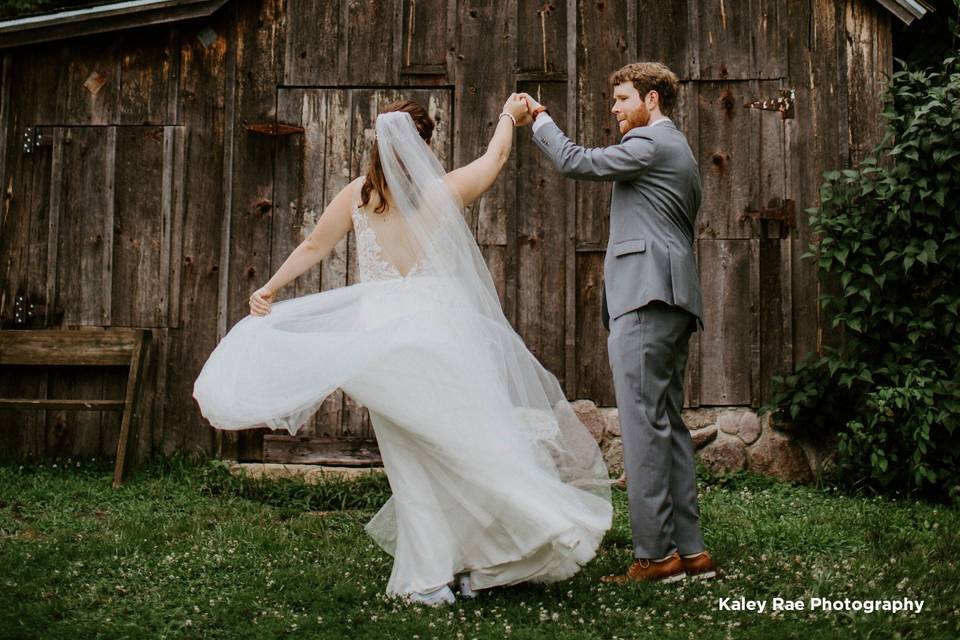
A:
[702,576]
[673,578]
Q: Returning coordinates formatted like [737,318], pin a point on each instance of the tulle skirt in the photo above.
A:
[480,481]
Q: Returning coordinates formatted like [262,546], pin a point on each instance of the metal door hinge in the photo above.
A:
[783,211]
[26,311]
[273,128]
[34,138]
[783,104]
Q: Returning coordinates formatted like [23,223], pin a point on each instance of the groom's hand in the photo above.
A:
[518,109]
[530,101]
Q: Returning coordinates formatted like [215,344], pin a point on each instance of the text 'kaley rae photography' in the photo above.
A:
[819,604]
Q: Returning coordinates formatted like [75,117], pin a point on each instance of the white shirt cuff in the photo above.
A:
[541,120]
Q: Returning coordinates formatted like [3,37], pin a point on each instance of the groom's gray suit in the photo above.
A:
[652,304]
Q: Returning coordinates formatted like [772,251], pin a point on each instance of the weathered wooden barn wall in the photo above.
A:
[150,202]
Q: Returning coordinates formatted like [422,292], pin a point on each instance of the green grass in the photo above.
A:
[187,551]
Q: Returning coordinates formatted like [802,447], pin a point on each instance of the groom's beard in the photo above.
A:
[640,117]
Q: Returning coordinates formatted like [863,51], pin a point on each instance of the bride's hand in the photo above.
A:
[517,108]
[260,301]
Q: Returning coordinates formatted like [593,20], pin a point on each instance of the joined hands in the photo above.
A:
[521,107]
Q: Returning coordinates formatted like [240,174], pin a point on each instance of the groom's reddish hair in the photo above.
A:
[375,179]
[647,77]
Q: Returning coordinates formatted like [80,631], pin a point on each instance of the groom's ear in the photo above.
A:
[654,97]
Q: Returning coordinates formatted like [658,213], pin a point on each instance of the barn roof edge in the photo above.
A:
[133,13]
[101,18]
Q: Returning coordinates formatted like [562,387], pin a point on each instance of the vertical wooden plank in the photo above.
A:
[728,321]
[542,37]
[141,227]
[89,85]
[774,312]
[336,161]
[771,267]
[109,186]
[727,169]
[541,228]
[483,81]
[81,211]
[545,247]
[423,43]
[363,108]
[570,213]
[73,433]
[114,387]
[174,170]
[82,207]
[667,32]
[292,222]
[19,214]
[23,246]
[726,31]
[37,68]
[369,50]
[312,47]
[686,116]
[602,49]
[594,378]
[811,141]
[604,37]
[205,77]
[259,54]
[869,57]
[768,26]
[146,57]
[298,188]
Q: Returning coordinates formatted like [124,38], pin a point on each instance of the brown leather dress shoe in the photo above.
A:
[700,567]
[645,570]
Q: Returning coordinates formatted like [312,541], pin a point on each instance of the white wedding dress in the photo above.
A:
[481,482]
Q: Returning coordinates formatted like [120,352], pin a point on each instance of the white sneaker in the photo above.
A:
[463,584]
[437,597]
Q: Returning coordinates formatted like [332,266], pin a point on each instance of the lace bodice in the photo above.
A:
[370,259]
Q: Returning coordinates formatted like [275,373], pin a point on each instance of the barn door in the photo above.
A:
[310,168]
[103,205]
[728,56]
[741,244]
[88,240]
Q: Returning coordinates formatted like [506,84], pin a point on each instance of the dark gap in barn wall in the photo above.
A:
[927,41]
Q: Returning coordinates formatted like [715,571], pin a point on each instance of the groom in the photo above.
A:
[651,305]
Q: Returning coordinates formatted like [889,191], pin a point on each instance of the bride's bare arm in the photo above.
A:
[334,223]
[471,180]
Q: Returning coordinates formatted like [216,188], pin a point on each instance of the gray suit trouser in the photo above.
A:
[648,355]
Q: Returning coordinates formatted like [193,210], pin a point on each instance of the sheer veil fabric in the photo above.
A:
[491,470]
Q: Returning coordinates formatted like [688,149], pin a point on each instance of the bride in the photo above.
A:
[494,479]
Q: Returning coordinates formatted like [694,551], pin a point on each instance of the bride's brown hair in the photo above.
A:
[375,179]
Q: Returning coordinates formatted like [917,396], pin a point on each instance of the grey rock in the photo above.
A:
[703,437]
[781,457]
[591,417]
[700,418]
[612,418]
[612,450]
[724,455]
[749,428]
[729,422]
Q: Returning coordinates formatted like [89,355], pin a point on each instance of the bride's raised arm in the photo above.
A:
[472,180]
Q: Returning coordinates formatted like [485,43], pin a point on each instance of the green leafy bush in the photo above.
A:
[889,240]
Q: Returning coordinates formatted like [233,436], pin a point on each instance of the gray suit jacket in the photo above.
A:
[656,196]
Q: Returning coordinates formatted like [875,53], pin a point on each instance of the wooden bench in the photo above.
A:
[94,347]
